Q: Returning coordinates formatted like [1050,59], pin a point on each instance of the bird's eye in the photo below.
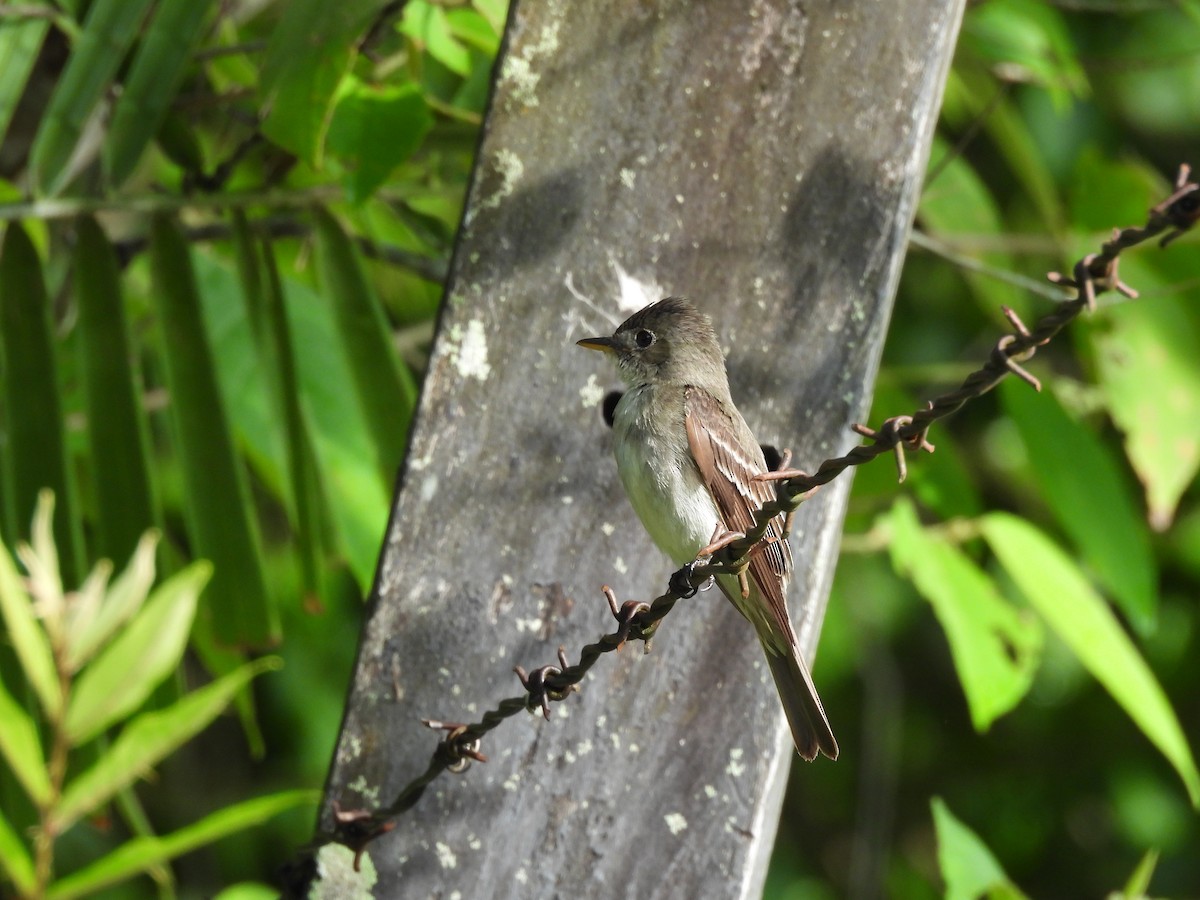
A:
[643,338]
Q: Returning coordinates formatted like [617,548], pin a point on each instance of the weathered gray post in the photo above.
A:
[762,158]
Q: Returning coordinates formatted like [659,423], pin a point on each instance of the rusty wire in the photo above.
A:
[1094,274]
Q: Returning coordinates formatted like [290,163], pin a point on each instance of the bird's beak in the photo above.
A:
[603,344]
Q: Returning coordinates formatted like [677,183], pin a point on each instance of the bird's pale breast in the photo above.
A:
[670,499]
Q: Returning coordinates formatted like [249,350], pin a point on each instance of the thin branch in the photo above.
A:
[70,207]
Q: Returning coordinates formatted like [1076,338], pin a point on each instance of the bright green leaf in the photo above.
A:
[358,496]
[473,28]
[995,647]
[1138,884]
[22,748]
[1146,356]
[1055,587]
[248,890]
[307,56]
[148,739]
[495,11]
[140,854]
[146,651]
[1089,500]
[15,860]
[427,24]
[28,639]
[374,130]
[968,866]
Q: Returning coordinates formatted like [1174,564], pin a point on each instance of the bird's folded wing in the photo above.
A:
[727,467]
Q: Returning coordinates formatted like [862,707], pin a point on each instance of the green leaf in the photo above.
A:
[301,467]
[248,890]
[140,854]
[968,866]
[221,518]
[1146,356]
[109,30]
[36,456]
[15,859]
[1089,499]
[148,739]
[306,58]
[472,27]
[495,11]
[123,598]
[995,647]
[374,130]
[21,747]
[1138,884]
[1054,586]
[427,24]
[385,388]
[146,651]
[155,75]
[28,639]
[1027,41]
[971,97]
[20,41]
[959,202]
[357,495]
[116,427]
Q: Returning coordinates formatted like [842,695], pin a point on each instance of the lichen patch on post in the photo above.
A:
[445,856]
[675,822]
[468,350]
[591,393]
[519,72]
[510,169]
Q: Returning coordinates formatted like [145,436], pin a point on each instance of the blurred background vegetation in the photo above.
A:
[226,227]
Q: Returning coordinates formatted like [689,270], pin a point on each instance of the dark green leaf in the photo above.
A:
[109,30]
[374,130]
[20,41]
[116,426]
[154,78]
[36,455]
[385,388]
[1089,499]
[221,518]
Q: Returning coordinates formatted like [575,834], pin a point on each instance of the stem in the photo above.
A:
[60,747]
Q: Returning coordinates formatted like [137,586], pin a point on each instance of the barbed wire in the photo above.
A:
[1092,275]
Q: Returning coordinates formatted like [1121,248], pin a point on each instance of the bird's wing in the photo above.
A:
[727,467]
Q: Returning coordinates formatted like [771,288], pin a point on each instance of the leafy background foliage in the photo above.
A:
[227,227]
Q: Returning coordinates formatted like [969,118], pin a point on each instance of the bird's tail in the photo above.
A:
[805,715]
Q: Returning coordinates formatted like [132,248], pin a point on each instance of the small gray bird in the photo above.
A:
[688,461]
